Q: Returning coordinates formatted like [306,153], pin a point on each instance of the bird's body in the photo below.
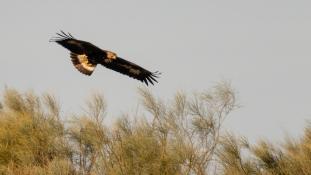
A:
[85,56]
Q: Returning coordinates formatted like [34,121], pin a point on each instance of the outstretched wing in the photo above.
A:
[76,46]
[83,54]
[132,70]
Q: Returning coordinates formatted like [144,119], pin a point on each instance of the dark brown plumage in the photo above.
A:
[85,56]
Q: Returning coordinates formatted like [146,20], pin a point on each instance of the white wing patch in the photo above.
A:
[81,62]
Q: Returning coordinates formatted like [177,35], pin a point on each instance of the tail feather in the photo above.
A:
[82,63]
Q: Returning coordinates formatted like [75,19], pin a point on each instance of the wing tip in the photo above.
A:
[61,36]
[152,78]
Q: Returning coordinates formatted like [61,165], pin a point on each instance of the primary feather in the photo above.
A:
[85,56]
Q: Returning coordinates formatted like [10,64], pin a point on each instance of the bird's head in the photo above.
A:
[111,55]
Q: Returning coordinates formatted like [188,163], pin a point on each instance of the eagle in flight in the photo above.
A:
[85,57]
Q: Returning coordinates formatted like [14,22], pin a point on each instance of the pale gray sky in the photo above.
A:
[261,46]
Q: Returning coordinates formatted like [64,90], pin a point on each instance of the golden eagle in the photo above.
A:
[85,56]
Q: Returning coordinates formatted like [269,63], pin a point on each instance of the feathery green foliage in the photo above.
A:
[291,158]
[31,135]
[180,136]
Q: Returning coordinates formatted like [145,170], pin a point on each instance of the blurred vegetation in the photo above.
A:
[181,136]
